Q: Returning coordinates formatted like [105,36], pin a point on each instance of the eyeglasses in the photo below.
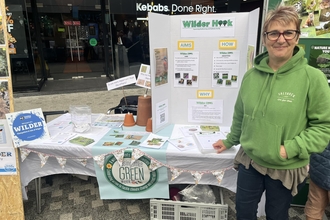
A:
[288,35]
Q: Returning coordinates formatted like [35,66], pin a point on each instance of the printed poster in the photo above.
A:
[27,126]
[5,139]
[162,113]
[319,57]
[3,63]
[8,161]
[143,79]
[314,16]
[225,69]
[4,99]
[205,111]
[161,66]
[2,28]
[186,67]
[130,179]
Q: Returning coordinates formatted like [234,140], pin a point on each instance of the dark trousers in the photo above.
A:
[250,186]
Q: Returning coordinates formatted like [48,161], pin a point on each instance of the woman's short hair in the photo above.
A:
[282,14]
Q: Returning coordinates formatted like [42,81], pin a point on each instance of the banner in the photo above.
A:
[124,170]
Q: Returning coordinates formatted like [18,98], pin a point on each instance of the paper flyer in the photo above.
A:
[5,139]
[161,66]
[27,126]
[4,99]
[110,121]
[8,161]
[154,141]
[144,78]
[184,143]
[83,141]
[3,64]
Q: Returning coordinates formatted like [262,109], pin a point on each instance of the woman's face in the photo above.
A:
[280,50]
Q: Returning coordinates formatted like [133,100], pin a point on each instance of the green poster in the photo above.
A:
[314,16]
[319,58]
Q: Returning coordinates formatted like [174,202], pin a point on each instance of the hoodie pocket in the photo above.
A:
[262,140]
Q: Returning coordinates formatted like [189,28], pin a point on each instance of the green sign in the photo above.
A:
[93,42]
[135,177]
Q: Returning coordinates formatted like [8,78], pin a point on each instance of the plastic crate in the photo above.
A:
[176,210]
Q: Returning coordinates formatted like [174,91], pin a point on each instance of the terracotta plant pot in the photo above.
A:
[143,110]
[149,125]
[129,120]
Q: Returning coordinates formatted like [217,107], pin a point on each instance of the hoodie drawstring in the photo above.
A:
[262,91]
[270,92]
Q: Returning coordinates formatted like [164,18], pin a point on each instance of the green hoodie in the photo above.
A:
[289,107]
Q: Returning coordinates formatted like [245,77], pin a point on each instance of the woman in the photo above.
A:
[281,116]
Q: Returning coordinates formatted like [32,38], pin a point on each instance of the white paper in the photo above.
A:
[154,141]
[144,79]
[5,138]
[225,68]
[121,82]
[111,121]
[206,140]
[205,111]
[60,138]
[162,113]
[8,161]
[186,67]
[188,130]
[184,143]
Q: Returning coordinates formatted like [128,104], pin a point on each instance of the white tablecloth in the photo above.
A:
[189,160]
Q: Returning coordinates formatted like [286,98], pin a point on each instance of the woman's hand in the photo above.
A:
[219,146]
[283,152]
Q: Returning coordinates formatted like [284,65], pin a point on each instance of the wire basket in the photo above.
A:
[176,210]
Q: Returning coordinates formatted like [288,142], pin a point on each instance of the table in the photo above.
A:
[190,160]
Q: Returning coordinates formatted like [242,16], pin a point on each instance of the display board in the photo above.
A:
[197,63]
[10,185]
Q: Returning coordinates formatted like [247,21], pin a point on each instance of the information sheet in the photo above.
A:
[225,69]
[186,66]
[162,113]
[8,161]
[207,111]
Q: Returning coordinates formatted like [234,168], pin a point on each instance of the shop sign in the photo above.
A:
[67,23]
[76,23]
[92,42]
[174,8]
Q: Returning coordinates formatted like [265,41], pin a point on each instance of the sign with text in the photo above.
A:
[7,161]
[208,27]
[143,79]
[121,82]
[129,173]
[27,126]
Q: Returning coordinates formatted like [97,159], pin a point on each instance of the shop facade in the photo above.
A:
[62,39]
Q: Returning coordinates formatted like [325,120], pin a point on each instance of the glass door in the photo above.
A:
[73,40]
